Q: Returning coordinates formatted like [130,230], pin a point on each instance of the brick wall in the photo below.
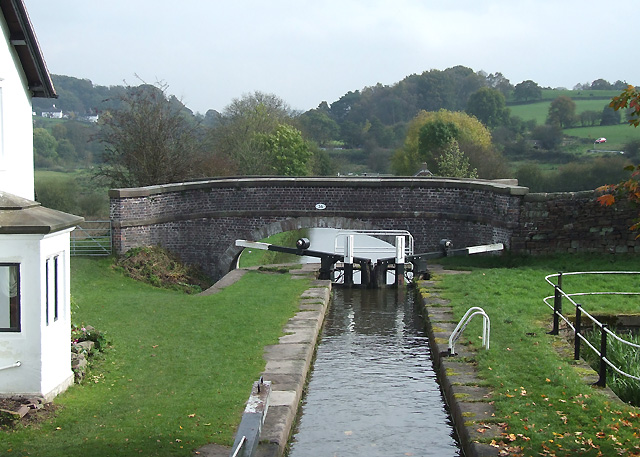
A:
[200,221]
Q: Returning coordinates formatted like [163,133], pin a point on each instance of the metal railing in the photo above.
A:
[605,333]
[374,251]
[462,325]
[92,238]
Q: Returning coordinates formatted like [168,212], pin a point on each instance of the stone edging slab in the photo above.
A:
[288,364]
[469,403]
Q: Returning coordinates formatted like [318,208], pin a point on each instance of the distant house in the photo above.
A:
[53,114]
[93,118]
[35,316]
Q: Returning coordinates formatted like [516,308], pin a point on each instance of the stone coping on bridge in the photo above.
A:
[506,186]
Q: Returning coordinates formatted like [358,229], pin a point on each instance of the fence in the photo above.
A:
[605,333]
[92,238]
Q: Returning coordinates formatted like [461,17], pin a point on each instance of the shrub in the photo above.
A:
[161,268]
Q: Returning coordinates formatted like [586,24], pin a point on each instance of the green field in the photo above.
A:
[617,135]
[539,111]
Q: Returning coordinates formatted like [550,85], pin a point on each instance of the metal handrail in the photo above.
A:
[578,337]
[239,447]
[462,325]
[375,233]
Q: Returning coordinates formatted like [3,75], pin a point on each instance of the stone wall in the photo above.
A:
[573,222]
[200,221]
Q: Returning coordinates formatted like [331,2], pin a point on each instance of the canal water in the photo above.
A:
[373,391]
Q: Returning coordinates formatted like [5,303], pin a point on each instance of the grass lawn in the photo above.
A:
[178,373]
[538,394]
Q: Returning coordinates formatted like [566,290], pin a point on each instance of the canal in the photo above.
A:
[373,391]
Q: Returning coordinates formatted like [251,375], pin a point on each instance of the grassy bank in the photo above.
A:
[178,373]
[539,395]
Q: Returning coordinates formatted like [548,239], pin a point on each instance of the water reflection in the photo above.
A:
[373,391]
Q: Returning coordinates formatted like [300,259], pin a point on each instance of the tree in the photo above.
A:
[287,152]
[44,144]
[489,106]
[237,137]
[610,116]
[434,137]
[630,97]
[590,118]
[319,126]
[473,138]
[499,82]
[601,84]
[562,112]
[148,141]
[630,189]
[527,90]
[256,135]
[453,163]
[548,136]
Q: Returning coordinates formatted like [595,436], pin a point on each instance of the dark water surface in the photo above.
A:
[373,391]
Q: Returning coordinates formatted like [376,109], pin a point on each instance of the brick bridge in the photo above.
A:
[200,221]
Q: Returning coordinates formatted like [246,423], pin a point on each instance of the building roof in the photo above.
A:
[19,216]
[23,39]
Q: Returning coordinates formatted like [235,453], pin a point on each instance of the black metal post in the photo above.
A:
[399,274]
[348,274]
[578,327]
[557,306]
[557,310]
[365,274]
[602,379]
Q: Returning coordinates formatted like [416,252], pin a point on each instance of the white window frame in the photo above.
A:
[53,291]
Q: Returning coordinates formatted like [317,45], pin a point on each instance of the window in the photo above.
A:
[9,297]
[52,290]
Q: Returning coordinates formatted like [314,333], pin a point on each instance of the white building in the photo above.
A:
[35,316]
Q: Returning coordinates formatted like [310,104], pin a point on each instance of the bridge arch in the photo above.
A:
[200,221]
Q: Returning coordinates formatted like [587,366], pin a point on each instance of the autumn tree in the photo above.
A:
[430,133]
[630,98]
[628,190]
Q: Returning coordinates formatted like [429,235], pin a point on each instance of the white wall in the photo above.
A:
[56,336]
[44,351]
[16,127]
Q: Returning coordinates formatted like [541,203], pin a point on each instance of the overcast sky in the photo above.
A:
[211,51]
